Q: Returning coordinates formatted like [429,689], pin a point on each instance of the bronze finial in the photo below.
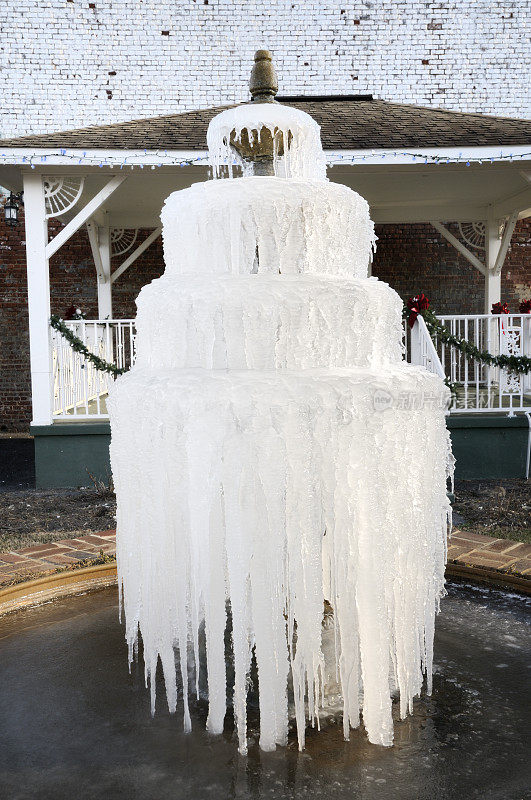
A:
[263,84]
[260,150]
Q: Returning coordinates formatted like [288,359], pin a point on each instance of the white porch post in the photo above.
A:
[38,298]
[104,278]
[493,275]
[492,290]
[100,243]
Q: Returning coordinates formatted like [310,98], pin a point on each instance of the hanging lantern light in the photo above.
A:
[11,209]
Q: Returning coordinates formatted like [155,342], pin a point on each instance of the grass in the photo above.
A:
[497,508]
[31,517]
[500,532]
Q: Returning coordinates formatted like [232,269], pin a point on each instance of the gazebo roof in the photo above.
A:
[384,151]
[347,123]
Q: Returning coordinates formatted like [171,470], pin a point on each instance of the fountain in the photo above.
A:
[271,450]
[282,385]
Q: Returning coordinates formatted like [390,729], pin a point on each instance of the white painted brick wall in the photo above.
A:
[69,65]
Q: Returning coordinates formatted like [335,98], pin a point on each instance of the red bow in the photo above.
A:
[70,312]
[498,308]
[416,305]
[525,307]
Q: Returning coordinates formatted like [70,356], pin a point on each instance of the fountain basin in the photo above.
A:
[76,724]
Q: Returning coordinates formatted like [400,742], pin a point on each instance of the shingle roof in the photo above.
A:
[346,124]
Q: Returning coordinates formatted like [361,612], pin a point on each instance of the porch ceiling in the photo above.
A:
[442,192]
[396,193]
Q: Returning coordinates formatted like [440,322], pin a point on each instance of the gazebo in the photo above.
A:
[412,164]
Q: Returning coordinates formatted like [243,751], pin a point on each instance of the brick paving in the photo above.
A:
[502,555]
[466,549]
[44,559]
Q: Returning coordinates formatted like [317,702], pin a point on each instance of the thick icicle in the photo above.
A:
[271,451]
[296,227]
[297,134]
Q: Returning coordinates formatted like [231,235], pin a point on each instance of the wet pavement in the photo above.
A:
[74,724]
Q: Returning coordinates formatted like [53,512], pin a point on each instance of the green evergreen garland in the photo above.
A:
[77,345]
[436,329]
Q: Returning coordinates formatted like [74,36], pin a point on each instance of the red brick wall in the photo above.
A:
[516,276]
[73,277]
[15,390]
[411,258]
[416,258]
[72,282]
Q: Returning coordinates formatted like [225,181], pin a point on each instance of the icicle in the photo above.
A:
[270,459]
[301,227]
[300,136]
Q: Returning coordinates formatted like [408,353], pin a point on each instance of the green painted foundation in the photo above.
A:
[67,455]
[484,447]
[489,446]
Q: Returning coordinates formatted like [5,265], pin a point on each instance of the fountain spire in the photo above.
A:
[259,151]
[263,84]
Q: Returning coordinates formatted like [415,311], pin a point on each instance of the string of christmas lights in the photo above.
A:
[91,159]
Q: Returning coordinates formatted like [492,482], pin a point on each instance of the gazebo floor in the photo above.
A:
[483,400]
[89,409]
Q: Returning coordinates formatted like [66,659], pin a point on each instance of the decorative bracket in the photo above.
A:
[471,257]
[135,254]
[61,193]
[122,240]
[506,232]
[497,232]
[82,216]
[474,234]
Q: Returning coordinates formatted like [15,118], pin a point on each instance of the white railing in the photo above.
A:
[479,387]
[423,350]
[79,389]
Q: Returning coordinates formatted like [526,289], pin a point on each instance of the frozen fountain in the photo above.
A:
[271,450]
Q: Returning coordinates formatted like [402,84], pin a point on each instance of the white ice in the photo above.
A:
[303,157]
[270,450]
[267,226]
[261,322]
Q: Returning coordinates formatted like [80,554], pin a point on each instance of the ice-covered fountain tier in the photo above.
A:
[271,449]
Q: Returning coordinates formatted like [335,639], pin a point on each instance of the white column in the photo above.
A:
[38,299]
[492,248]
[492,290]
[104,277]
